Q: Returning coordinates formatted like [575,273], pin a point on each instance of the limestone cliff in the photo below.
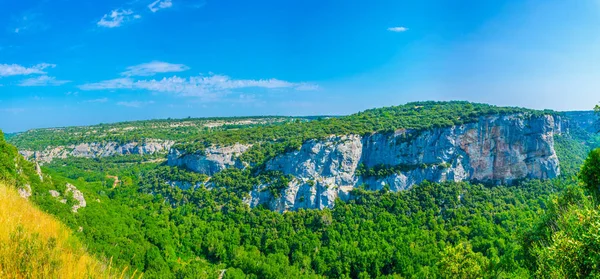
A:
[495,149]
[209,162]
[95,150]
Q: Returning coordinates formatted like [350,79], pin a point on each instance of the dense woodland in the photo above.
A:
[447,230]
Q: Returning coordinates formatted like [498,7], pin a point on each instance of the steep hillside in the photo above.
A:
[34,244]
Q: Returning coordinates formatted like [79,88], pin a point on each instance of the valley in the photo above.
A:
[396,192]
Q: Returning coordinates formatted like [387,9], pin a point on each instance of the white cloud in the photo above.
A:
[18,70]
[101,100]
[117,17]
[158,4]
[210,87]
[135,104]
[398,29]
[154,67]
[119,83]
[43,81]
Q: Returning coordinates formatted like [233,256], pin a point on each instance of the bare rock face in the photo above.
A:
[77,195]
[25,191]
[213,160]
[38,170]
[95,150]
[496,149]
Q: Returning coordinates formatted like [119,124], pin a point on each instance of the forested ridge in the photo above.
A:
[124,132]
[446,230]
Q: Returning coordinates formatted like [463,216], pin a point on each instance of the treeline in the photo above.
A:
[136,131]
[291,135]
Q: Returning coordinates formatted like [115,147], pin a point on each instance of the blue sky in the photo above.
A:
[72,62]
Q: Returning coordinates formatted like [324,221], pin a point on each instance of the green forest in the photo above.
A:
[134,219]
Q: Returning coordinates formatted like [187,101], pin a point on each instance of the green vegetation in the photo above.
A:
[135,131]
[573,148]
[381,171]
[376,234]
[416,116]
[449,230]
[564,243]
[34,244]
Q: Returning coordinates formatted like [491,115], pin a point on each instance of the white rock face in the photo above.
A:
[77,195]
[25,192]
[95,150]
[496,149]
[214,159]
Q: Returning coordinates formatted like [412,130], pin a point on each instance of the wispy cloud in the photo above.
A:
[43,81]
[29,21]
[101,100]
[18,70]
[119,83]
[117,17]
[154,67]
[160,4]
[398,29]
[135,104]
[209,87]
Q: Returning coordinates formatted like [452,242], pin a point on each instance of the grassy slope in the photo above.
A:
[34,244]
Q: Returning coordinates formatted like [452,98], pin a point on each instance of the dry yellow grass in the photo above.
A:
[33,244]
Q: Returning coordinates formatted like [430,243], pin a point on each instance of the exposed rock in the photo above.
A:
[95,150]
[213,160]
[54,193]
[38,170]
[77,195]
[496,149]
[25,192]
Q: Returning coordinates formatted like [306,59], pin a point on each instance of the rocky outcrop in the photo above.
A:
[25,191]
[209,162]
[496,149]
[77,195]
[95,150]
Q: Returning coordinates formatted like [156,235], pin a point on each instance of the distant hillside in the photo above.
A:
[123,132]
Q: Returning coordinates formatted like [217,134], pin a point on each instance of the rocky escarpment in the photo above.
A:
[211,161]
[95,150]
[495,149]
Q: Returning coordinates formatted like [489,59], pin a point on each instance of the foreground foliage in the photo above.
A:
[174,233]
[136,217]
[35,245]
